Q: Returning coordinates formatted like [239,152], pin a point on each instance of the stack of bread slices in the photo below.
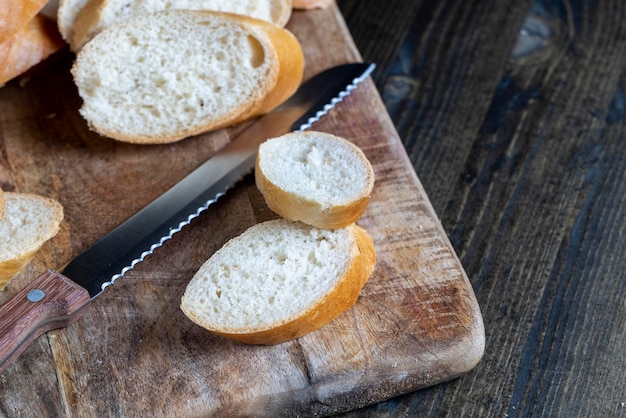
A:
[163,76]
[156,71]
[27,221]
[287,277]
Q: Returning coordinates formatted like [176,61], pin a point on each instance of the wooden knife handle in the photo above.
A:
[51,301]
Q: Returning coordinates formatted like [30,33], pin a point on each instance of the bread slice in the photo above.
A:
[15,15]
[29,221]
[279,280]
[314,177]
[29,46]
[161,77]
[67,12]
[99,14]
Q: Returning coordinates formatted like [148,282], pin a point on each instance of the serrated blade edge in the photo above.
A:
[112,257]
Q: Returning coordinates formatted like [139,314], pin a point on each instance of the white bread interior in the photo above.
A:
[29,221]
[161,77]
[314,177]
[279,280]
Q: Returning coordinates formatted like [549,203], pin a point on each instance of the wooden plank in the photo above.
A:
[133,352]
[516,130]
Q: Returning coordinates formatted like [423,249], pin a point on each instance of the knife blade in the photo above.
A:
[55,299]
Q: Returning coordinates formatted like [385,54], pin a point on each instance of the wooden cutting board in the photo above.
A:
[133,353]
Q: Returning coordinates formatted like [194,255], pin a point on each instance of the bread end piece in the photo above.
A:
[340,297]
[29,221]
[314,177]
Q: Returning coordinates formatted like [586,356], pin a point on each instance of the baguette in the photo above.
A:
[99,14]
[15,14]
[33,43]
[314,177]
[29,221]
[279,280]
[161,77]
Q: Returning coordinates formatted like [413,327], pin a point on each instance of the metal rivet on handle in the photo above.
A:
[35,295]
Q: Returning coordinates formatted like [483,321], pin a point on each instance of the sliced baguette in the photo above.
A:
[29,221]
[314,177]
[33,43]
[99,14]
[67,12]
[279,280]
[161,77]
[15,14]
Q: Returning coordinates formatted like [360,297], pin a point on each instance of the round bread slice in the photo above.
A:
[279,280]
[29,221]
[100,14]
[314,177]
[161,77]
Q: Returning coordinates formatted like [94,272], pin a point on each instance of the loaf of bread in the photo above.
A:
[314,177]
[15,14]
[29,221]
[99,14]
[30,45]
[279,280]
[161,77]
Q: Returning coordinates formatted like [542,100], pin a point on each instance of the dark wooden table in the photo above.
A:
[513,114]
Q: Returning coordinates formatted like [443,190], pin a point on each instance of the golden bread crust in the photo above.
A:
[33,43]
[341,298]
[17,14]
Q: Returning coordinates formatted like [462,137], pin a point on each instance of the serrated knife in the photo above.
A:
[54,300]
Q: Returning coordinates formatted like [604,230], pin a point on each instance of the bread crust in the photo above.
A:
[33,43]
[340,298]
[289,64]
[88,21]
[311,4]
[86,18]
[17,14]
[10,267]
[67,12]
[285,74]
[310,211]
